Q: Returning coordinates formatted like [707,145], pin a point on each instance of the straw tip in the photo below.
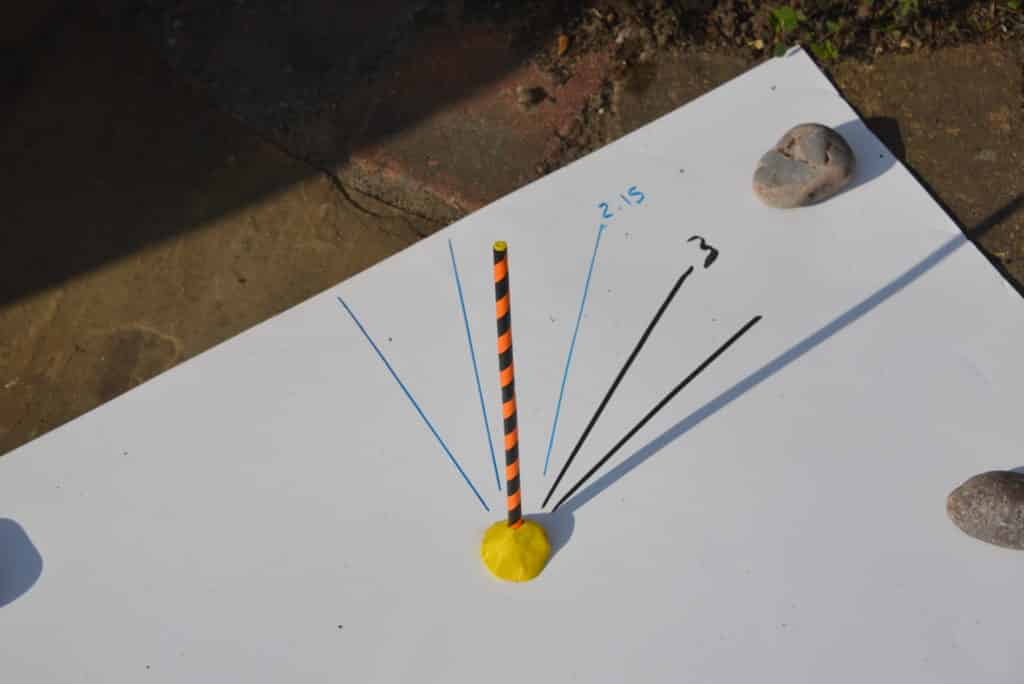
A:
[500,246]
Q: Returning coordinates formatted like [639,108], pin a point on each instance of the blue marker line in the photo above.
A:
[572,347]
[476,370]
[414,403]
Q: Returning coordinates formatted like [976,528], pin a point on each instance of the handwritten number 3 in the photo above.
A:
[712,252]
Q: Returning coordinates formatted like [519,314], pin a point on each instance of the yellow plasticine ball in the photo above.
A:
[516,555]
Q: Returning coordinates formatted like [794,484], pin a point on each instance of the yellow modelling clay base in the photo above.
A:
[516,555]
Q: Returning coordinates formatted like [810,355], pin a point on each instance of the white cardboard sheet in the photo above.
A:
[274,510]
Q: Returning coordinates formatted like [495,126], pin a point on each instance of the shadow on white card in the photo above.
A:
[559,527]
[783,360]
[873,158]
[20,562]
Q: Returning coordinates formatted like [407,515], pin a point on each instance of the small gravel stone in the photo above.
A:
[809,164]
[990,507]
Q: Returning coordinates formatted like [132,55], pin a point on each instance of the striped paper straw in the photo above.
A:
[503,310]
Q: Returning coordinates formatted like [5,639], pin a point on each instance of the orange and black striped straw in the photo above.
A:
[503,310]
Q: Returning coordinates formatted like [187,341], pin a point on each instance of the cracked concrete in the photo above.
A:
[144,227]
[399,111]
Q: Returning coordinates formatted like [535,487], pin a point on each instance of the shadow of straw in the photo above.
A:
[789,356]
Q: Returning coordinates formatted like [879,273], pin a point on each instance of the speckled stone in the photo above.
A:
[990,507]
[809,164]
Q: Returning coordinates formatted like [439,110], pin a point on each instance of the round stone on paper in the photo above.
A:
[809,164]
[990,507]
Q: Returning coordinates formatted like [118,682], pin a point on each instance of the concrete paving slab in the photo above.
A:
[143,226]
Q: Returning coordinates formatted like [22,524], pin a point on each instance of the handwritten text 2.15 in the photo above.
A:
[632,197]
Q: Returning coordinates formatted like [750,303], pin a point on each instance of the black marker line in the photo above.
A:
[657,407]
[618,379]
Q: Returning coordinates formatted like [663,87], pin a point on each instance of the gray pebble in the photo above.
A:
[809,164]
[990,507]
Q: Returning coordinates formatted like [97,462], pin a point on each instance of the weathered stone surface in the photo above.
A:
[809,164]
[990,507]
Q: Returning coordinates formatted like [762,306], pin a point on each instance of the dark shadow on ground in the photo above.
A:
[107,152]
[20,562]
[780,362]
[121,118]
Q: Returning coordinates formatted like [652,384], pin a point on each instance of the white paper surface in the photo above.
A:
[274,509]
